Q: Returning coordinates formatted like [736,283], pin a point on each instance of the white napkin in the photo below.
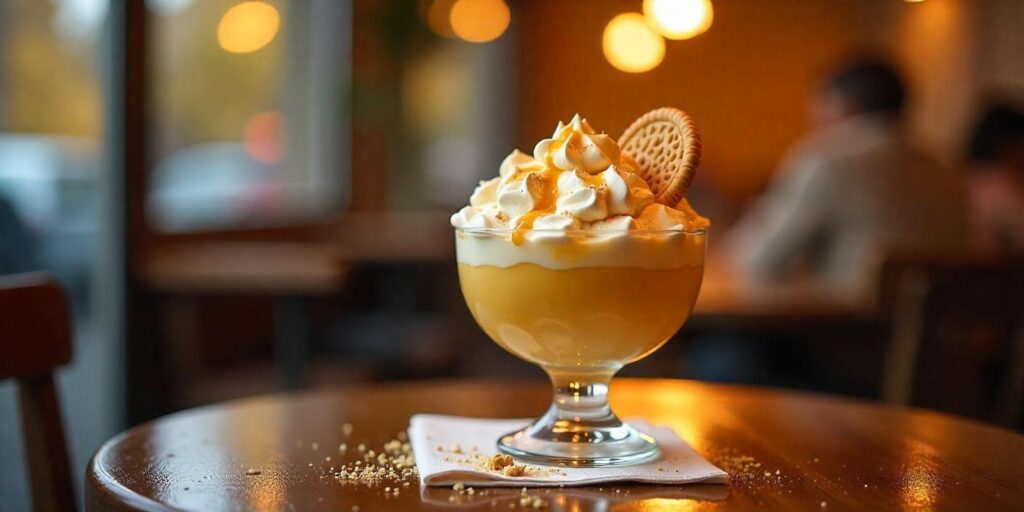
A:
[475,438]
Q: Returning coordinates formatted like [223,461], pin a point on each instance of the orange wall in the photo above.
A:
[747,81]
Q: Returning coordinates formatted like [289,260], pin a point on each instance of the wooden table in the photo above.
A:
[291,273]
[785,451]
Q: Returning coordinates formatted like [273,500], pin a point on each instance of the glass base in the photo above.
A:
[580,428]
[579,445]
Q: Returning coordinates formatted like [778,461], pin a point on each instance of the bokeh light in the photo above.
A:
[479,21]
[262,137]
[679,19]
[437,17]
[630,45]
[434,89]
[248,26]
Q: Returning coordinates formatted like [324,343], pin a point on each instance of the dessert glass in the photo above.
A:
[581,306]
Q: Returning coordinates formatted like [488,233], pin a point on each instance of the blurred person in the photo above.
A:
[849,191]
[995,161]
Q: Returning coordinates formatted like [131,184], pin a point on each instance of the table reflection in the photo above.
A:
[920,482]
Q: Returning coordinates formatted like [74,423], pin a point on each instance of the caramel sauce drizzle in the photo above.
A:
[546,204]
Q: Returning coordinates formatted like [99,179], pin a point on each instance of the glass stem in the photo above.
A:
[581,401]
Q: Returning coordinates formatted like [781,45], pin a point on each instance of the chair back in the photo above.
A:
[956,325]
[35,339]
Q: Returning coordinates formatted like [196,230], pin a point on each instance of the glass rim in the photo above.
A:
[583,232]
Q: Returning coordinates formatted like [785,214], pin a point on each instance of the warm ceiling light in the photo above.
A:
[247,27]
[679,19]
[479,21]
[630,45]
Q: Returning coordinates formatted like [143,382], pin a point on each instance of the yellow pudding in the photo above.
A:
[567,261]
[580,319]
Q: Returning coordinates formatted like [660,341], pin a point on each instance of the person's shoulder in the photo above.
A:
[846,139]
[816,177]
[814,145]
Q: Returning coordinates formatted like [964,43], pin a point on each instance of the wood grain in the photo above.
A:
[785,451]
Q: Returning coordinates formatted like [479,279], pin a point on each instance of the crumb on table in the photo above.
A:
[500,461]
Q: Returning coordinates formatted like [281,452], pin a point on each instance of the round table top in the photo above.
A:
[783,450]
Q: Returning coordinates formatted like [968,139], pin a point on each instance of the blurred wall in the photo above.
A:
[747,81]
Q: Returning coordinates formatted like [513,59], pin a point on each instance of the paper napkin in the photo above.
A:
[452,449]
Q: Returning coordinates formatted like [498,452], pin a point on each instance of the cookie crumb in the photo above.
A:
[458,487]
[498,462]
[393,465]
[514,470]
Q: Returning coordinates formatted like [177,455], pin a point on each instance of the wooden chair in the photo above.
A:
[35,339]
[956,328]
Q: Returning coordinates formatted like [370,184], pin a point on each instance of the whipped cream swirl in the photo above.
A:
[575,180]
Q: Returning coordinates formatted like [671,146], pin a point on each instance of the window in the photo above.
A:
[249,124]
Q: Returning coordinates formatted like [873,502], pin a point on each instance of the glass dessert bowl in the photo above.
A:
[581,304]
[581,258]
